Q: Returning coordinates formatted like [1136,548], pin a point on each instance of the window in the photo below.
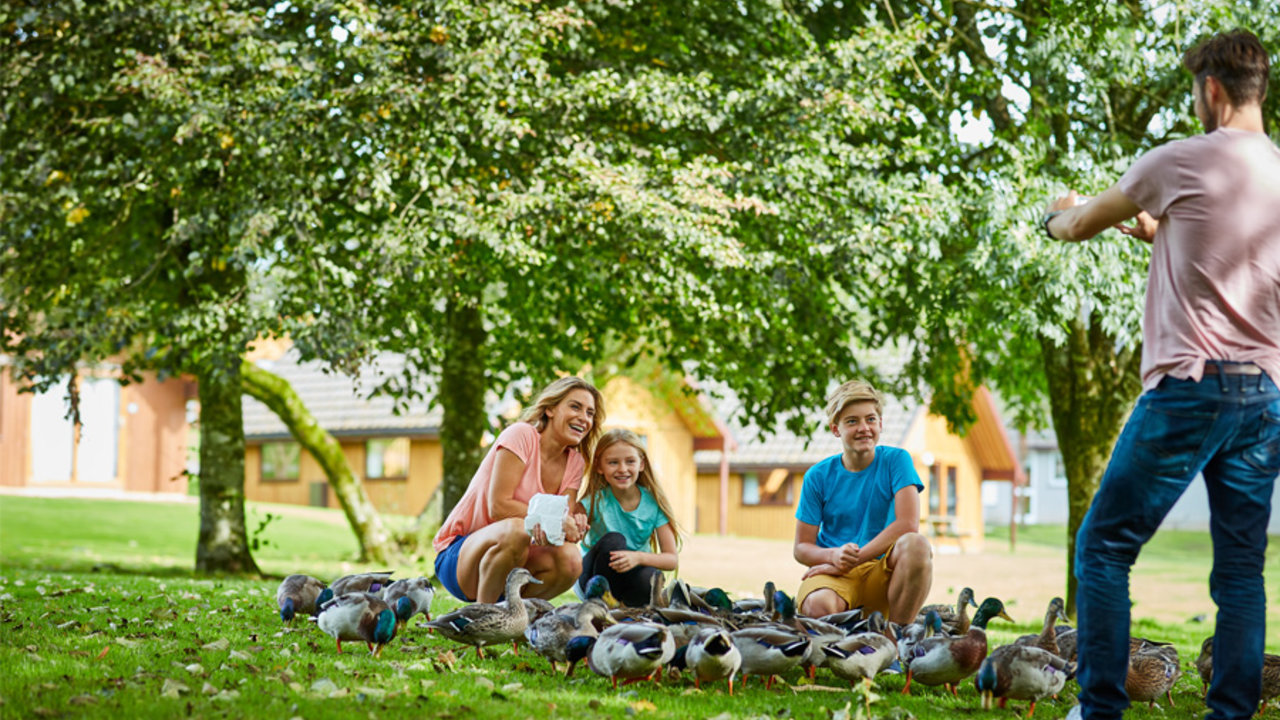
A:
[775,490]
[935,491]
[280,461]
[951,488]
[386,458]
[1059,477]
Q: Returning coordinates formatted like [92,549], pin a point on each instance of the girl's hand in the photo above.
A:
[623,560]
[572,530]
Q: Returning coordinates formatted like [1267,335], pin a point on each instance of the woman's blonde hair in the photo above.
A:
[596,482]
[555,393]
[852,392]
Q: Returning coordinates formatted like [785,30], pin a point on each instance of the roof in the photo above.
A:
[341,404]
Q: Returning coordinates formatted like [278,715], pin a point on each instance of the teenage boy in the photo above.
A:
[857,526]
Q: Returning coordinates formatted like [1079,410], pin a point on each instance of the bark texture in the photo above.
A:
[223,545]
[376,542]
[462,389]
[1092,386]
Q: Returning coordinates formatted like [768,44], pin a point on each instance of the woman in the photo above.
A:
[546,451]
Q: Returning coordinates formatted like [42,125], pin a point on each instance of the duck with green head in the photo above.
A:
[946,660]
[358,616]
[300,594]
[409,597]
[632,651]
[1021,672]
[550,634]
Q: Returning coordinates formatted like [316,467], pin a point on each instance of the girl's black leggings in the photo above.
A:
[631,588]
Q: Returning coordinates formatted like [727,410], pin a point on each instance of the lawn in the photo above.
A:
[101,617]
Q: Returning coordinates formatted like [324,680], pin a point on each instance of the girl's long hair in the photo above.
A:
[551,396]
[596,482]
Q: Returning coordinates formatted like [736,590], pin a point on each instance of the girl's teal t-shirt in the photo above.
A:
[636,526]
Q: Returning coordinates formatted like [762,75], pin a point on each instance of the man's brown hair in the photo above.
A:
[1237,59]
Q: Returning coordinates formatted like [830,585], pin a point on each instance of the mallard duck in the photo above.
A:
[955,619]
[409,597]
[537,607]
[371,582]
[1048,638]
[358,616]
[597,589]
[862,656]
[1153,669]
[817,631]
[684,624]
[912,634]
[550,634]
[847,620]
[1270,672]
[712,656]
[1021,672]
[298,594]
[481,624]
[943,660]
[769,651]
[631,651]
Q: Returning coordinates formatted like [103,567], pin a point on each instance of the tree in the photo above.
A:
[178,179]
[1060,95]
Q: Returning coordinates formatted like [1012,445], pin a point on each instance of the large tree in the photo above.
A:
[177,179]
[1021,101]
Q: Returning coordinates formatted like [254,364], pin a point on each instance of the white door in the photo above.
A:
[99,420]
[52,436]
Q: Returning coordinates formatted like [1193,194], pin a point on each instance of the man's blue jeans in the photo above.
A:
[1226,426]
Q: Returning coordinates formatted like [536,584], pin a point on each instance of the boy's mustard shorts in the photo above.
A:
[866,585]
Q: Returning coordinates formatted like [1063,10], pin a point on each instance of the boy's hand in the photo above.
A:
[823,569]
[845,557]
[623,560]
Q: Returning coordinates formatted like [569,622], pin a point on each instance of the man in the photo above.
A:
[1210,362]
[857,526]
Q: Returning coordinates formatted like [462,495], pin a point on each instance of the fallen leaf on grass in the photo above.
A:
[323,686]
[173,688]
[643,706]
[227,696]
[816,688]
[208,689]
[43,712]
[104,652]
[83,700]
[237,655]
[485,683]
[195,669]
[127,642]
[217,645]
[68,625]
[512,687]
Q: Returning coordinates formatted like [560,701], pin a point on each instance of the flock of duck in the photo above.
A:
[714,638]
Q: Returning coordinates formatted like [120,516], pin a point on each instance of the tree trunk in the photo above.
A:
[223,545]
[462,390]
[1092,386]
[376,542]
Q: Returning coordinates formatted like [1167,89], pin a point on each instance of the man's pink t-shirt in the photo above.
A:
[1213,290]
[472,511]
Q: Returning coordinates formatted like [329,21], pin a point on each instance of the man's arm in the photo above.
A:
[1110,209]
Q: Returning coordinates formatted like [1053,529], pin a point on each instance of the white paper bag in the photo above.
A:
[549,511]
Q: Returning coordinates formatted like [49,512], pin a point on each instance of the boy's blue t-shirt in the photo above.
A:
[636,526]
[854,507]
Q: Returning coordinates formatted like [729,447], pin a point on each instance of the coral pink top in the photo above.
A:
[472,511]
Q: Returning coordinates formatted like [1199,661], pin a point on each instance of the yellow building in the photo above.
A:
[754,490]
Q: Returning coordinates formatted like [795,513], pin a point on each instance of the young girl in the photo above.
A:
[627,514]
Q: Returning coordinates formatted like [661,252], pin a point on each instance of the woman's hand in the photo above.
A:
[537,536]
[623,560]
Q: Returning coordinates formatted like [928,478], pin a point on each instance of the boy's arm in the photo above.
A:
[906,512]
[807,551]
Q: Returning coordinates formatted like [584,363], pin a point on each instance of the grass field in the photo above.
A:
[100,616]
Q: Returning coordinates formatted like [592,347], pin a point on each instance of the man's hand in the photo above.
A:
[823,569]
[1066,202]
[623,560]
[844,558]
[1143,227]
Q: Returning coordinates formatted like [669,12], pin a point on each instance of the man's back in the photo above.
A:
[1214,283]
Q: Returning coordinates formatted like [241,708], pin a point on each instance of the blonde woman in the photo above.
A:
[633,532]
[546,451]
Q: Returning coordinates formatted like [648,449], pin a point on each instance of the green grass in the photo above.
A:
[101,617]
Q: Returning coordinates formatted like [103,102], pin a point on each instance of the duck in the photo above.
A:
[712,656]
[298,594]
[481,624]
[622,614]
[756,610]
[769,650]
[408,597]
[1048,637]
[861,656]
[358,616]
[1270,672]
[597,588]
[1067,637]
[955,619]
[632,651]
[847,619]
[912,634]
[817,631]
[1153,669]
[370,582]
[1021,672]
[550,634]
[946,660]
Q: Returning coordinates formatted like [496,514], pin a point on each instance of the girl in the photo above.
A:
[627,511]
